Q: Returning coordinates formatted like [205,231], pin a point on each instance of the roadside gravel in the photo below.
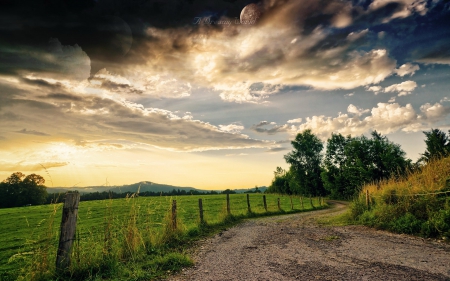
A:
[296,247]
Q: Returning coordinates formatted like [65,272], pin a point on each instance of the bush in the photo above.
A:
[418,204]
[408,224]
[357,208]
[441,222]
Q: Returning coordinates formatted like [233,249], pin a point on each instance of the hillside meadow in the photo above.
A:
[128,238]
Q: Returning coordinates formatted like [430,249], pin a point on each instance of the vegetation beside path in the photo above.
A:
[124,239]
[418,204]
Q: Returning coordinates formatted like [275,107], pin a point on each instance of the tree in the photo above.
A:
[351,162]
[19,190]
[279,183]
[437,145]
[305,161]
[333,174]
[388,158]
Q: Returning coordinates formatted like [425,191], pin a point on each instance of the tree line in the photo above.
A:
[56,197]
[20,190]
[348,163]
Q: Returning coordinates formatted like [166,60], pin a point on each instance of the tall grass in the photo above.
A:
[134,238]
[416,204]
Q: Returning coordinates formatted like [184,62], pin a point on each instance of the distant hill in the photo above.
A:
[143,186]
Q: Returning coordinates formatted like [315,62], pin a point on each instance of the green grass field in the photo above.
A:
[31,233]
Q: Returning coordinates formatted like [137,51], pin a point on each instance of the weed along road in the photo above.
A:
[302,247]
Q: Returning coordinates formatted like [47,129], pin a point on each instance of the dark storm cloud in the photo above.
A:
[51,59]
[106,29]
[339,41]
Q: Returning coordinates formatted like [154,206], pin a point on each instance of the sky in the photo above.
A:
[180,92]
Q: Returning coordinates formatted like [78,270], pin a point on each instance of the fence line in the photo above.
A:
[70,210]
[419,194]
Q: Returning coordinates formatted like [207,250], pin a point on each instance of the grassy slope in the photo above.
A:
[31,233]
[417,204]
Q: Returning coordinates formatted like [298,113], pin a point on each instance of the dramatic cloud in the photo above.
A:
[248,64]
[90,116]
[56,61]
[404,88]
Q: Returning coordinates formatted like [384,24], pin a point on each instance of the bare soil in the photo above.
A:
[296,247]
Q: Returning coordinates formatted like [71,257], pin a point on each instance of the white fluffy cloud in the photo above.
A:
[385,118]
[231,128]
[404,88]
[356,111]
[297,120]
[375,89]
[407,69]
[435,111]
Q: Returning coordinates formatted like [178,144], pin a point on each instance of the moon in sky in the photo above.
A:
[117,32]
[250,14]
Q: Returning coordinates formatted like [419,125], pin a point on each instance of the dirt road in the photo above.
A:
[295,247]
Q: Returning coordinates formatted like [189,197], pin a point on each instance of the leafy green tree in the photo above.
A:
[19,190]
[351,162]
[388,158]
[333,174]
[279,181]
[305,160]
[437,145]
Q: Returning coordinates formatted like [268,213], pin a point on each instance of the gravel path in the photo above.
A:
[295,247]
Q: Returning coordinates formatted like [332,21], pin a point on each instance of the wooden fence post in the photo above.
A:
[301,201]
[174,214]
[200,208]
[68,230]
[228,204]
[279,207]
[248,203]
[367,198]
[310,200]
[292,205]
[265,203]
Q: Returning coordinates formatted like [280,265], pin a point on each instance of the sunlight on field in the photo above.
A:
[25,229]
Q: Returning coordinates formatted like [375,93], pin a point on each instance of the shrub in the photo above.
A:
[407,223]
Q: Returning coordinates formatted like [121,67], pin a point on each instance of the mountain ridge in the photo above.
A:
[142,186]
